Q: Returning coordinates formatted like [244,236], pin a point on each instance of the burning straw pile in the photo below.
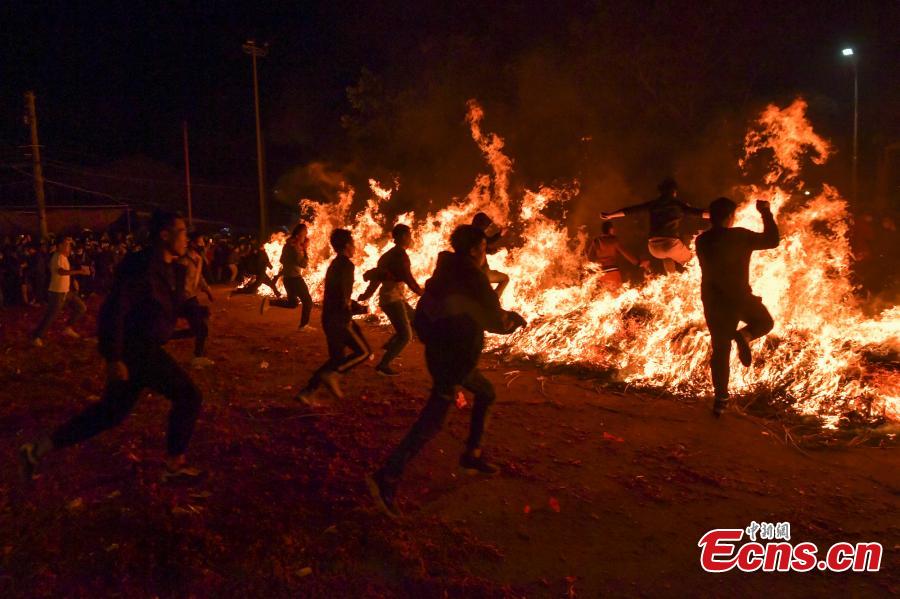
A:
[817,360]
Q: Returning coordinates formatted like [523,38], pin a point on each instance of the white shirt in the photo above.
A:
[59,283]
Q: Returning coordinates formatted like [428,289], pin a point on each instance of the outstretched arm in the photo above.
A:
[626,211]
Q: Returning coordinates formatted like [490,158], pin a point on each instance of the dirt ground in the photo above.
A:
[601,492]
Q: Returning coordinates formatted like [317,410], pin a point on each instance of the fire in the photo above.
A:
[654,335]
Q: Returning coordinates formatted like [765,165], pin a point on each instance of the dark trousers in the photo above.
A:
[297,293]
[722,317]
[400,314]
[197,317]
[55,304]
[431,419]
[257,282]
[341,337]
[148,367]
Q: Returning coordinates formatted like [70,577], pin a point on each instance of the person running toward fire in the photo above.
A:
[136,320]
[495,277]
[604,250]
[393,275]
[294,258]
[666,212]
[341,332]
[458,306]
[61,294]
[724,252]
[191,310]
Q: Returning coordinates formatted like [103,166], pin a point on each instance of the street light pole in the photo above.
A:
[854,181]
[255,52]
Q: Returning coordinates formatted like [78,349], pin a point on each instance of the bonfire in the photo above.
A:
[820,360]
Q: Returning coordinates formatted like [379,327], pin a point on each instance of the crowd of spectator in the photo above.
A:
[25,263]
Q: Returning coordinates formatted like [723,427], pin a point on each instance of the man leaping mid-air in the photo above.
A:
[666,211]
[724,252]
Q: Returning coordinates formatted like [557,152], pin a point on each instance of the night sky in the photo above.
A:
[658,88]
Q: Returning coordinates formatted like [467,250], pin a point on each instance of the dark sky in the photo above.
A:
[658,87]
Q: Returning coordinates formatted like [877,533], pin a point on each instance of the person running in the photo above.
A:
[458,306]
[393,275]
[495,277]
[666,213]
[724,252]
[61,294]
[263,266]
[196,314]
[134,323]
[604,251]
[294,258]
[341,332]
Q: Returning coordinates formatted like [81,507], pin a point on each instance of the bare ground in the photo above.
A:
[601,492]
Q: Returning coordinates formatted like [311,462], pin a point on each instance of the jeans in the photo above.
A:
[722,317]
[432,417]
[297,293]
[55,304]
[148,366]
[400,314]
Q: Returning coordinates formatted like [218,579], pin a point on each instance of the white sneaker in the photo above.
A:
[201,362]
[68,332]
[36,342]
[330,380]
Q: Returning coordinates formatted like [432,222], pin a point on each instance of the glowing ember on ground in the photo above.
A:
[655,335]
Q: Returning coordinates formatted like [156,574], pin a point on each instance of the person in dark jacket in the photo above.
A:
[294,258]
[393,276]
[134,323]
[666,213]
[724,253]
[341,332]
[458,306]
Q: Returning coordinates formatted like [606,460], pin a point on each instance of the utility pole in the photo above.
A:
[31,119]
[855,181]
[850,54]
[255,52]
[187,174]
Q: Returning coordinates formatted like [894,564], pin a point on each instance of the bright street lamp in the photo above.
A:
[848,52]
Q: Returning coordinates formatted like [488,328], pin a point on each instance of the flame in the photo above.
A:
[655,335]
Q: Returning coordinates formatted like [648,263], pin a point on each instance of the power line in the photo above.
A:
[66,167]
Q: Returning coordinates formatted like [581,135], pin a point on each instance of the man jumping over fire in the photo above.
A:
[136,320]
[341,332]
[457,307]
[724,252]
[665,212]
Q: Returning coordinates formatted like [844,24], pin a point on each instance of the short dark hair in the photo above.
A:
[667,185]
[720,210]
[400,230]
[195,236]
[482,221]
[299,227]
[606,227]
[161,220]
[340,238]
[466,237]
